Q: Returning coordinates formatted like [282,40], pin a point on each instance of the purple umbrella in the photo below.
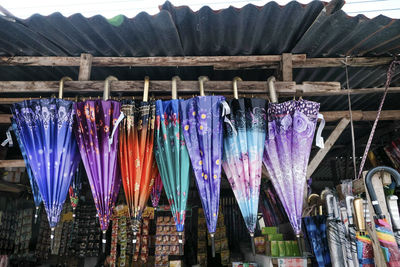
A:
[45,130]
[291,127]
[97,135]
[202,129]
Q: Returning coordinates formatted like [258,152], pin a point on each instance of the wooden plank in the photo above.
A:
[85,67]
[359,115]
[287,67]
[322,88]
[219,62]
[328,144]
[12,163]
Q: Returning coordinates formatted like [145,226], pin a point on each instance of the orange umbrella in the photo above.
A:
[136,157]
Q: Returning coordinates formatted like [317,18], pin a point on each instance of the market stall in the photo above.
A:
[219,141]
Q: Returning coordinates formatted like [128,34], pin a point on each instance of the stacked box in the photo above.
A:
[167,240]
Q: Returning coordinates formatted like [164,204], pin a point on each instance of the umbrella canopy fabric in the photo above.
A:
[351,231]
[172,158]
[97,136]
[45,130]
[244,137]
[291,127]
[156,191]
[37,198]
[136,157]
[383,229]
[313,228]
[203,131]
[75,188]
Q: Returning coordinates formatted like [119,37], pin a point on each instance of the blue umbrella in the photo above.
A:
[45,128]
[37,198]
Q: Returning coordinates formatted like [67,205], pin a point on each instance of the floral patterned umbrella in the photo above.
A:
[97,135]
[75,188]
[136,157]
[244,137]
[37,198]
[45,130]
[172,157]
[291,127]
[203,128]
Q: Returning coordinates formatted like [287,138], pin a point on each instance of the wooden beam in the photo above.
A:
[85,67]
[12,163]
[328,144]
[359,115]
[287,67]
[218,62]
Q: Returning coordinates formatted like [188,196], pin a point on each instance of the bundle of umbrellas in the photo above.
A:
[45,130]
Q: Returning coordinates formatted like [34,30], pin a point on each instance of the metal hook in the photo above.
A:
[146,88]
[107,87]
[175,80]
[202,79]
[271,87]
[235,88]
[61,89]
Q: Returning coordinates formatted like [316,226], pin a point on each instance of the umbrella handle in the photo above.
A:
[371,190]
[271,87]
[358,207]
[212,245]
[107,87]
[349,207]
[202,79]
[235,87]
[61,88]
[146,89]
[394,211]
[174,94]
[253,248]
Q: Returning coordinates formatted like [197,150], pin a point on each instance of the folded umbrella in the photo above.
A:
[244,137]
[96,132]
[75,188]
[203,131]
[383,229]
[394,215]
[45,129]
[351,231]
[343,224]
[156,191]
[365,250]
[172,157]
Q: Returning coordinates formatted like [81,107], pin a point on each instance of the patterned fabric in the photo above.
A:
[202,128]
[321,251]
[45,129]
[95,122]
[76,186]
[156,191]
[136,157]
[37,198]
[365,251]
[172,158]
[291,127]
[387,241]
[244,137]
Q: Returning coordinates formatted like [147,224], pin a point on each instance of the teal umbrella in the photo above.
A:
[172,157]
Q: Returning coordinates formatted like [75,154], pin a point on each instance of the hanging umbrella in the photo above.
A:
[156,191]
[45,130]
[96,132]
[244,137]
[291,127]
[365,251]
[37,198]
[136,158]
[344,228]
[202,129]
[383,229]
[351,231]
[75,188]
[394,215]
[334,231]
[172,157]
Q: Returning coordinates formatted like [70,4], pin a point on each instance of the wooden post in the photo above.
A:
[328,144]
[85,67]
[287,67]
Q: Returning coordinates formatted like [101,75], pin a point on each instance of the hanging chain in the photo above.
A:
[353,143]
[389,74]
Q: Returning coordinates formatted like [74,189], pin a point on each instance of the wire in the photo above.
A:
[365,1]
[377,10]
